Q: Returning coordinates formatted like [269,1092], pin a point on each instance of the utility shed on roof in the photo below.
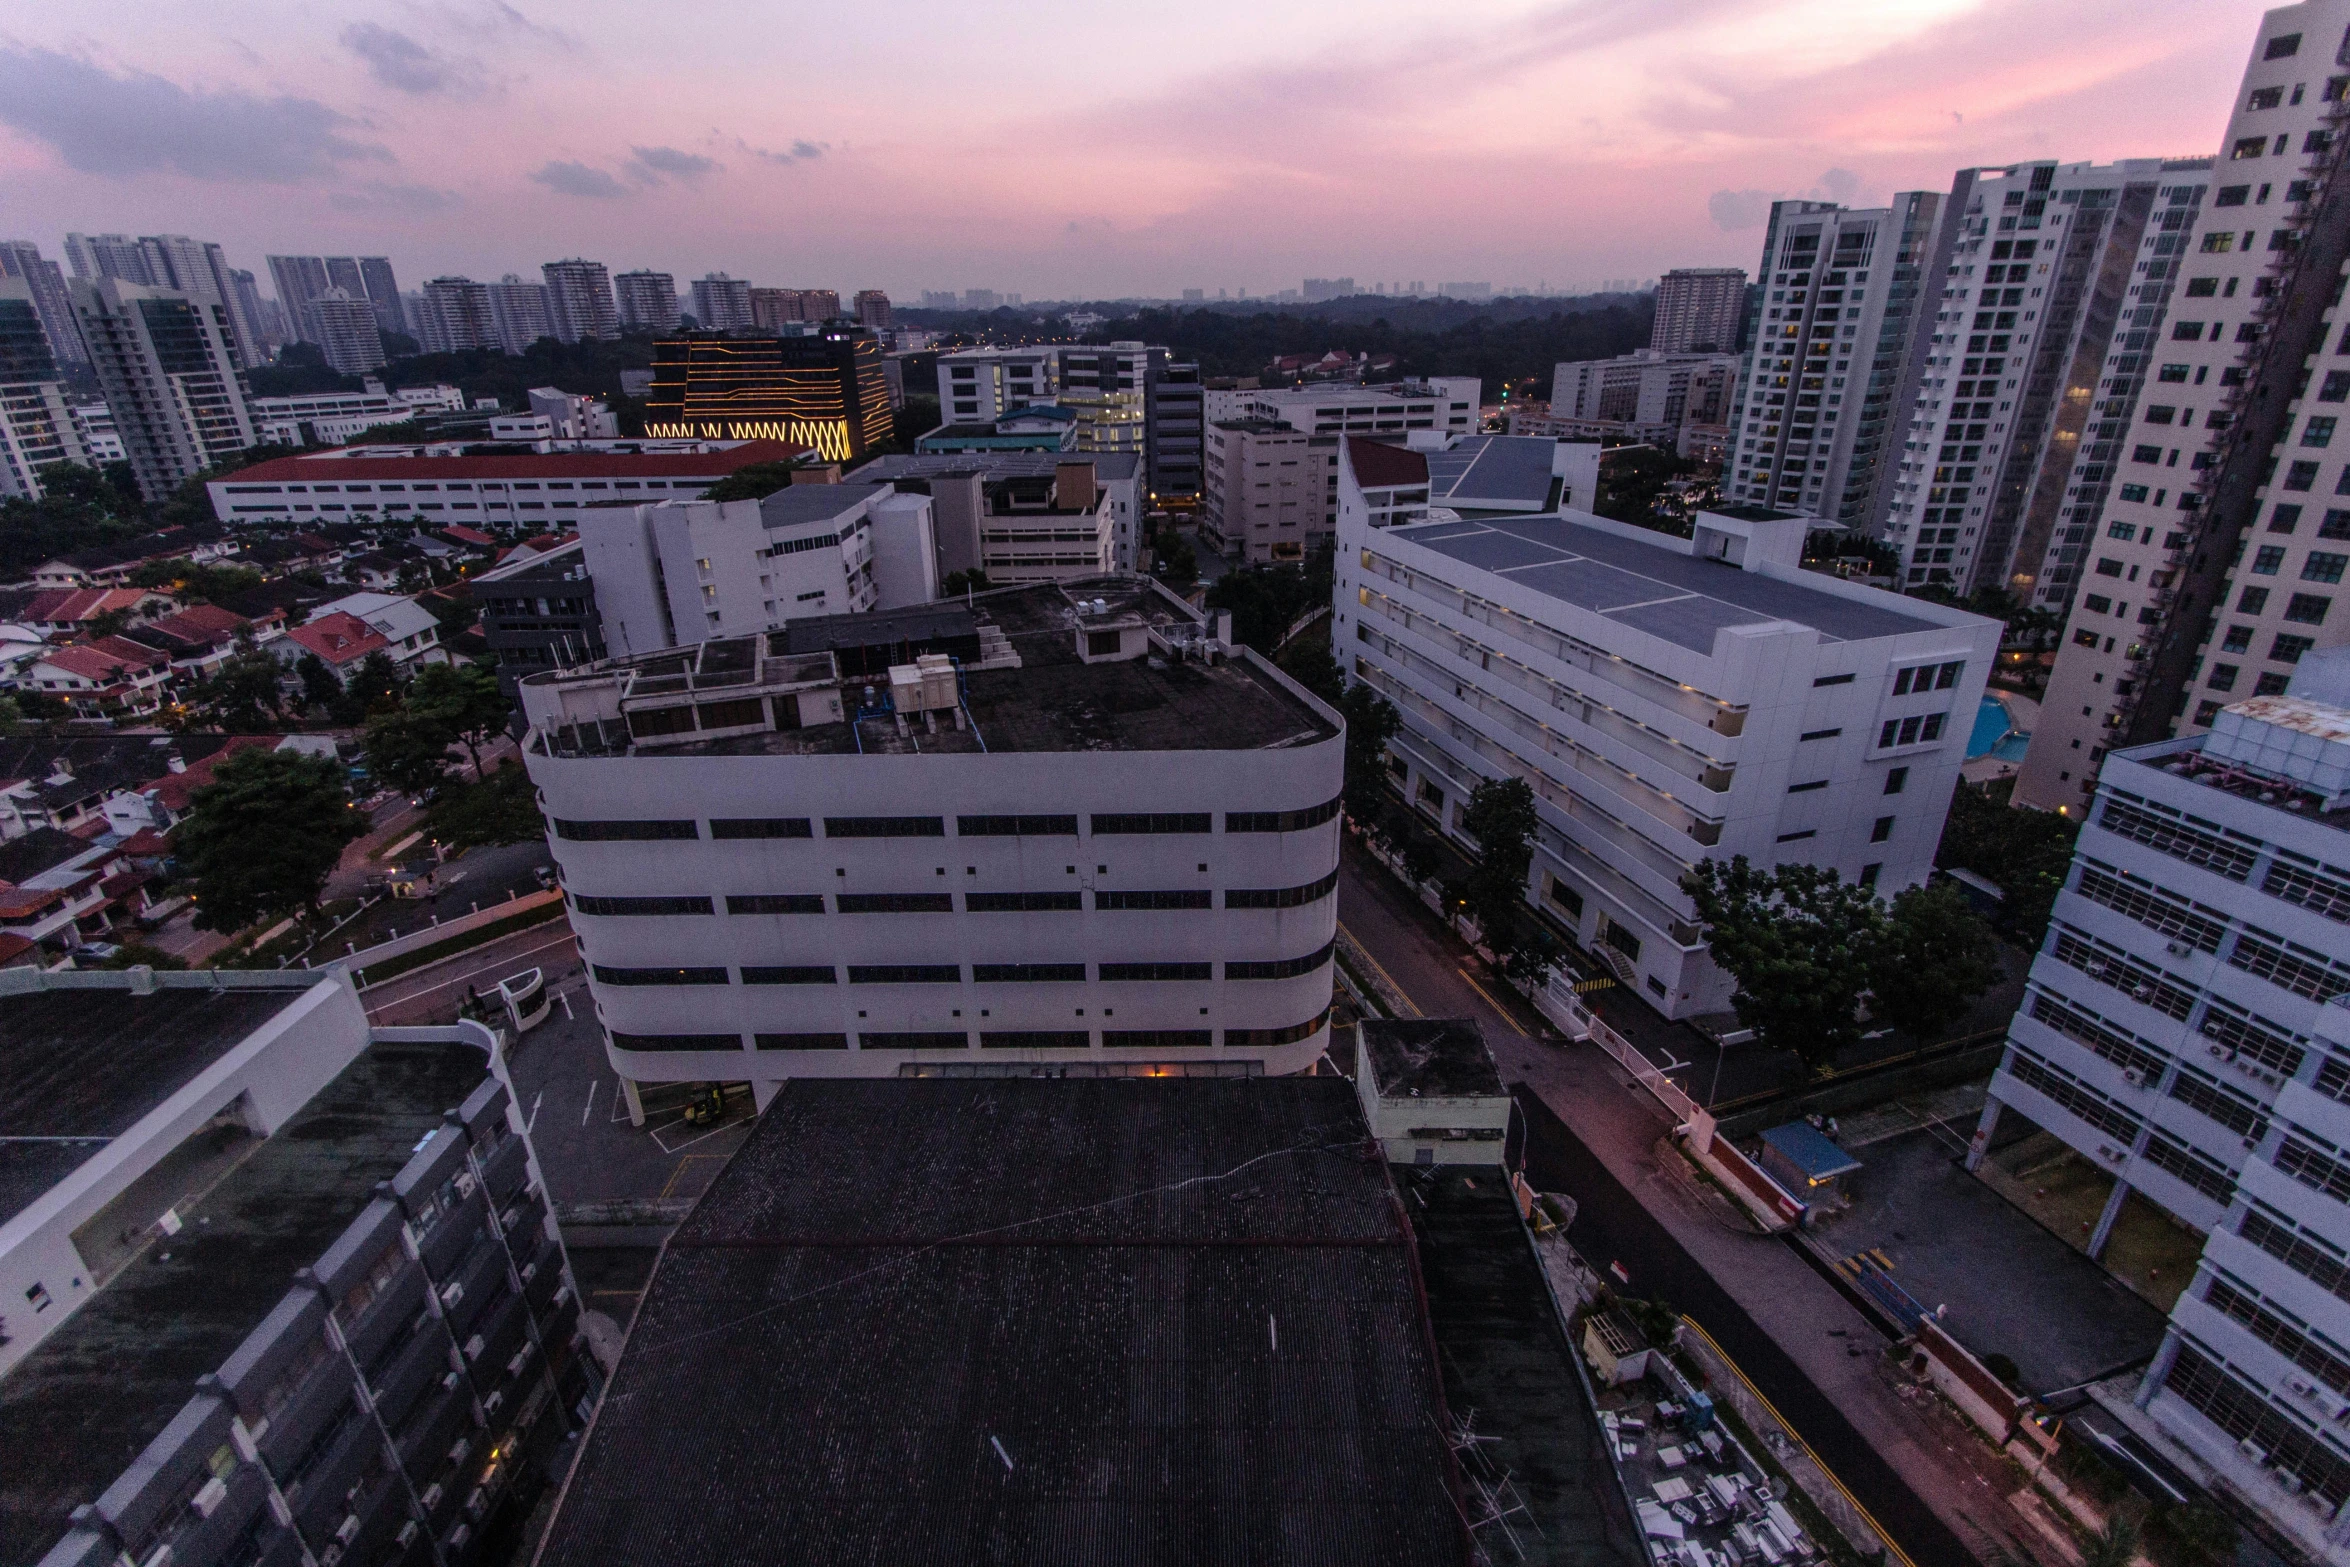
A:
[1431,1091]
[1804,1160]
[1036,1321]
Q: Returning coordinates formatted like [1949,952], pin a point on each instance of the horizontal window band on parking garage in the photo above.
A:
[885,827]
[894,902]
[1016,826]
[1279,897]
[1105,825]
[660,976]
[635,906]
[775,903]
[1028,973]
[677,1041]
[1281,821]
[1157,971]
[625,832]
[905,973]
[1158,1038]
[801,1041]
[940,1040]
[760,827]
[790,974]
[1023,902]
[1281,968]
[1036,1039]
[1268,1038]
[1186,898]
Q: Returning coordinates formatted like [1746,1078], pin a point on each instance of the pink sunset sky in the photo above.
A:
[1058,148]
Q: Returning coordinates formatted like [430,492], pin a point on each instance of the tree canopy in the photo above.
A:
[261,839]
[1501,817]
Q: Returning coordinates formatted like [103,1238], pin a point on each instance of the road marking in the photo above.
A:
[413,995]
[532,1119]
[591,1101]
[1489,1001]
[1380,969]
[564,996]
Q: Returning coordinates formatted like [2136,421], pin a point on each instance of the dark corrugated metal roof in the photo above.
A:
[1185,1311]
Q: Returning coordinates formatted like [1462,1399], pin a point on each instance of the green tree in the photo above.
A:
[320,688]
[1308,662]
[261,839]
[1501,817]
[754,483]
[465,700]
[1177,562]
[374,687]
[503,808]
[2025,854]
[1371,721]
[1797,941]
[245,684]
[2116,1545]
[408,748]
[1930,961]
[971,580]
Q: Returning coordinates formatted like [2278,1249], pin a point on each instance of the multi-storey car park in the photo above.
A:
[2187,1031]
[2016,415]
[1668,700]
[2220,550]
[1064,828]
[275,1287]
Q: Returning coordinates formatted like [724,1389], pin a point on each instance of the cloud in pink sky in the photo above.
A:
[1063,148]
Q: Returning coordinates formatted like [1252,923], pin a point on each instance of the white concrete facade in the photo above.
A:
[2219,273]
[2034,361]
[1813,413]
[1800,719]
[2185,1030]
[265,1079]
[943,901]
[687,571]
[1447,403]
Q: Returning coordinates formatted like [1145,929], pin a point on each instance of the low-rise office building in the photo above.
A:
[1430,1091]
[968,489]
[539,612]
[1668,700]
[1056,829]
[1040,427]
[314,1260]
[2185,1030]
[686,571]
[1447,403]
[1178,433]
[443,482]
[1270,491]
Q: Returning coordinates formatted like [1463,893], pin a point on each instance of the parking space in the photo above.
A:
[2010,1286]
[579,1118]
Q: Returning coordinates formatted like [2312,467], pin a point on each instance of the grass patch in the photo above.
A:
[400,963]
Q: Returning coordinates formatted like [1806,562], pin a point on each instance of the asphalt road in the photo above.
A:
[1612,1227]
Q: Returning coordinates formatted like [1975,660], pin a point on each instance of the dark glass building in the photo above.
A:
[825,390]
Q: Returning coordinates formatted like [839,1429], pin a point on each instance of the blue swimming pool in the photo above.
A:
[1995,734]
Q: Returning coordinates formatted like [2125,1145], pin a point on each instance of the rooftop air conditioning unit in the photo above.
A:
[459,1448]
[521,1359]
[473,1347]
[431,1497]
[2302,1386]
[492,1404]
[453,1293]
[209,1496]
[2132,1076]
[2252,1450]
[2177,949]
[408,1533]
[349,1529]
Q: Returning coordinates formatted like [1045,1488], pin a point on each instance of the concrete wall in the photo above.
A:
[276,1070]
[701,787]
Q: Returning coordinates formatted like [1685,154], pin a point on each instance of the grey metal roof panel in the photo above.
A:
[1498,467]
[796,504]
[1596,569]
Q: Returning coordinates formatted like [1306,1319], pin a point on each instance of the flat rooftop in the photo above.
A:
[1182,1325]
[994,464]
[81,1407]
[1653,587]
[78,1068]
[1431,1057]
[797,504]
[1053,700]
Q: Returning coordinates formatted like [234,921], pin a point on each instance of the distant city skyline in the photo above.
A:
[1211,147]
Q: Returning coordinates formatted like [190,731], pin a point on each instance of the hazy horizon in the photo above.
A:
[1066,151]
